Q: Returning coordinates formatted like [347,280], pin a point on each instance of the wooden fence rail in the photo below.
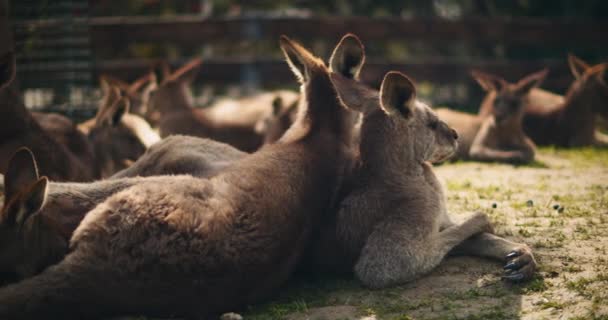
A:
[192,31]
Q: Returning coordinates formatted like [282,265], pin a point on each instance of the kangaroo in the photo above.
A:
[174,155]
[216,240]
[118,138]
[500,136]
[138,91]
[391,224]
[177,116]
[276,123]
[572,122]
[19,128]
[43,215]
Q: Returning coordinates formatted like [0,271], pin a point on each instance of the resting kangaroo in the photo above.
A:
[174,155]
[118,138]
[19,128]
[45,215]
[499,136]
[228,121]
[392,225]
[216,240]
[572,122]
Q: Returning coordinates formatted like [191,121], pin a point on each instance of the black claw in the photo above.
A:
[514,277]
[512,254]
[511,266]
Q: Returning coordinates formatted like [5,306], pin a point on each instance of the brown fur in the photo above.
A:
[499,136]
[222,122]
[216,240]
[19,128]
[35,230]
[117,137]
[573,122]
[174,155]
[392,225]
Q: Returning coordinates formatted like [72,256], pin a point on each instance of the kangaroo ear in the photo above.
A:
[187,73]
[7,69]
[533,80]
[119,110]
[487,81]
[161,72]
[277,105]
[139,83]
[299,59]
[577,66]
[348,57]
[397,95]
[106,109]
[21,173]
[25,204]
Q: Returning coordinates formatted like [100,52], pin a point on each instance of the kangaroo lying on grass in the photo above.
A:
[500,136]
[392,225]
[18,128]
[573,122]
[174,155]
[216,240]
[566,121]
[229,121]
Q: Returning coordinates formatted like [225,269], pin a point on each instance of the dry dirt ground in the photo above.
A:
[558,205]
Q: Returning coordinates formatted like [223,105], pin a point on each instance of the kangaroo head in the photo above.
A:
[404,126]
[137,91]
[590,84]
[508,99]
[273,125]
[171,91]
[320,107]
[119,137]
[25,235]
[7,69]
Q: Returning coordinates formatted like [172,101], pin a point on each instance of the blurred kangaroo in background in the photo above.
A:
[217,240]
[18,127]
[230,121]
[391,224]
[572,122]
[498,136]
[118,138]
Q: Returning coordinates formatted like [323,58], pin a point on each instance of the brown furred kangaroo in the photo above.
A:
[572,123]
[499,136]
[216,240]
[391,224]
[172,156]
[18,128]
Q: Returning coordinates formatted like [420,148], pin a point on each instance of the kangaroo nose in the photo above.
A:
[454,134]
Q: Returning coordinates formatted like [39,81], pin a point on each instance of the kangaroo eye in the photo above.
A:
[433,124]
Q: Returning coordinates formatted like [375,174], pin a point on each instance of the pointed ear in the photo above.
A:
[105,85]
[139,83]
[487,81]
[577,66]
[533,80]
[21,173]
[119,110]
[348,57]
[299,59]
[32,201]
[188,72]
[104,112]
[161,72]
[7,69]
[397,95]
[277,105]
